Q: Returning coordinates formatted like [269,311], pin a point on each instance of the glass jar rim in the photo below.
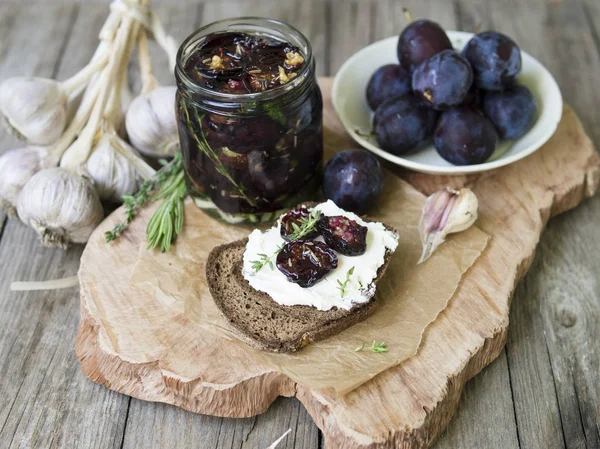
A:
[189,83]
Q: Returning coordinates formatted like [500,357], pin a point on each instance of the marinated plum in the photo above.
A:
[343,235]
[353,180]
[239,64]
[495,58]
[293,219]
[306,262]
[269,172]
[402,124]
[419,41]
[388,81]
[512,111]
[464,136]
[443,80]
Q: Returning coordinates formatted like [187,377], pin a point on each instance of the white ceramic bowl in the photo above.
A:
[349,101]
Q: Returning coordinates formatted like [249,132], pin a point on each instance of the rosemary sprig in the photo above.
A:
[275,113]
[167,222]
[165,179]
[200,138]
[342,285]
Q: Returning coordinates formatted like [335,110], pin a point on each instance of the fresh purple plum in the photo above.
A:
[464,136]
[495,58]
[419,41]
[473,97]
[443,80]
[388,81]
[402,124]
[353,180]
[512,111]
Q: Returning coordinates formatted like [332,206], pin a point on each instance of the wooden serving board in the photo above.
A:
[406,406]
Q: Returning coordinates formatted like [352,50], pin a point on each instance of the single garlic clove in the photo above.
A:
[16,168]
[34,109]
[151,123]
[445,212]
[61,205]
[112,174]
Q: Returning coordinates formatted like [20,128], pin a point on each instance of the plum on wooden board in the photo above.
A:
[353,180]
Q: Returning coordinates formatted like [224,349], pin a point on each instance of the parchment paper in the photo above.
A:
[409,296]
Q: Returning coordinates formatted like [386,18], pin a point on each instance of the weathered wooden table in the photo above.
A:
[542,392]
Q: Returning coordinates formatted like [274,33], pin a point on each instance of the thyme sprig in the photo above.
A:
[306,226]
[381,347]
[172,190]
[202,142]
[343,285]
[376,348]
[258,265]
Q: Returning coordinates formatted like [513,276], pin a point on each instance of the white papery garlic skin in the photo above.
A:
[112,174]
[34,109]
[445,212]
[61,205]
[151,123]
[16,169]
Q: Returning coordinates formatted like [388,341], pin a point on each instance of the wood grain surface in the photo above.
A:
[542,392]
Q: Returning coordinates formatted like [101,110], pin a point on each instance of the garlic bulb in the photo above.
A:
[16,168]
[113,175]
[445,212]
[34,109]
[61,205]
[151,123]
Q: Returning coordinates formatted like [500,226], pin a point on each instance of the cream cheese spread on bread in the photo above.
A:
[325,294]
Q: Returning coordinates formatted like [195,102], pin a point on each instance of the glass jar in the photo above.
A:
[249,156]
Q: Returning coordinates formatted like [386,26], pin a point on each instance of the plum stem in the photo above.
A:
[408,15]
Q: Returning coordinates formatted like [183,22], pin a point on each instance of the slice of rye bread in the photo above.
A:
[265,324]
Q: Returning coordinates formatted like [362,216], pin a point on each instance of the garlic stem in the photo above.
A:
[149,82]
[84,75]
[54,284]
[144,170]
[81,116]
[79,152]
[109,29]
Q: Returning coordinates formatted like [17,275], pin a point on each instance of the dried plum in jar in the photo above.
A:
[250,119]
